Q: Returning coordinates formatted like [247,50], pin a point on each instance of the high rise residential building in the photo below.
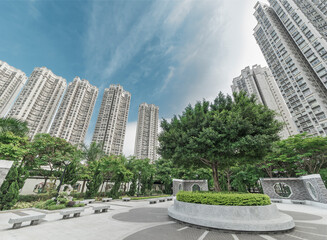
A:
[146,140]
[295,52]
[260,82]
[73,117]
[112,119]
[38,101]
[11,82]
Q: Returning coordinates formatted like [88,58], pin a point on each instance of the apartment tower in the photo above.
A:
[73,117]
[295,52]
[38,101]
[146,140]
[260,82]
[12,81]
[112,119]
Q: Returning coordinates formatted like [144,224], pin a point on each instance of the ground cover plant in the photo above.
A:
[222,198]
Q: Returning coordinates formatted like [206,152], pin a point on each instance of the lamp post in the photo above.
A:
[66,163]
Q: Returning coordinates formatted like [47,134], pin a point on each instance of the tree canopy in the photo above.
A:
[220,134]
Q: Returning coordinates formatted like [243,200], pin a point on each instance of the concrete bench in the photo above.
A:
[153,201]
[100,208]
[126,199]
[169,198]
[162,199]
[75,211]
[17,221]
[106,199]
[298,201]
[87,201]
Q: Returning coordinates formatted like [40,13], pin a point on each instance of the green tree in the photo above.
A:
[96,179]
[298,155]
[116,170]
[15,126]
[13,147]
[221,134]
[9,190]
[52,152]
[91,153]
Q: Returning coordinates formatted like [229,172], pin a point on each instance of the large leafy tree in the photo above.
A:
[52,152]
[297,155]
[220,134]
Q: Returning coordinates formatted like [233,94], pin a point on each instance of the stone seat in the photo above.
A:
[169,198]
[106,199]
[87,201]
[153,201]
[100,208]
[162,199]
[17,221]
[75,211]
[126,199]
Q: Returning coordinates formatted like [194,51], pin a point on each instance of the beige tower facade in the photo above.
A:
[12,81]
[146,140]
[111,123]
[73,117]
[38,101]
[260,82]
[295,52]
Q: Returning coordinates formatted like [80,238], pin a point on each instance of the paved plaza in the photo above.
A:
[138,220]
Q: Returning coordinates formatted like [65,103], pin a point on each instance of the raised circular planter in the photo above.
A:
[236,218]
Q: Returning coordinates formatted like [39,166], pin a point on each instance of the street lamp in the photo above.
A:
[66,163]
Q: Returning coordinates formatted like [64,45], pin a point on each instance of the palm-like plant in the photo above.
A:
[17,127]
[91,153]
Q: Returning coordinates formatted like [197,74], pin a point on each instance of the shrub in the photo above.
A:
[70,204]
[228,199]
[21,205]
[79,205]
[56,207]
[35,197]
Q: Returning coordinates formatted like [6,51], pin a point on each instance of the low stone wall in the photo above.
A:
[236,218]
[189,185]
[310,187]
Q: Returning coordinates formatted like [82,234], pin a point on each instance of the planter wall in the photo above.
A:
[237,218]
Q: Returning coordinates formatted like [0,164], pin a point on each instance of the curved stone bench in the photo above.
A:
[236,218]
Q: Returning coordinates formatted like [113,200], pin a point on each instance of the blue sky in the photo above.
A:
[166,52]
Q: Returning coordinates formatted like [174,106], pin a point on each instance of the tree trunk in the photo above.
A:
[229,187]
[44,184]
[215,177]
[84,182]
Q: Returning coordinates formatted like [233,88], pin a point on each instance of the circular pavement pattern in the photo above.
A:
[144,215]
[179,231]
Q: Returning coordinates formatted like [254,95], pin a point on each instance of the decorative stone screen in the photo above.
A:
[189,185]
[310,187]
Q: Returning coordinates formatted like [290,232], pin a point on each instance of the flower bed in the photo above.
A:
[230,211]
[226,199]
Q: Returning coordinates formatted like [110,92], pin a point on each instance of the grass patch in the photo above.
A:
[226,199]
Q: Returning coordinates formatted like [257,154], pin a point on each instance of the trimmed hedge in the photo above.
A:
[35,197]
[227,199]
